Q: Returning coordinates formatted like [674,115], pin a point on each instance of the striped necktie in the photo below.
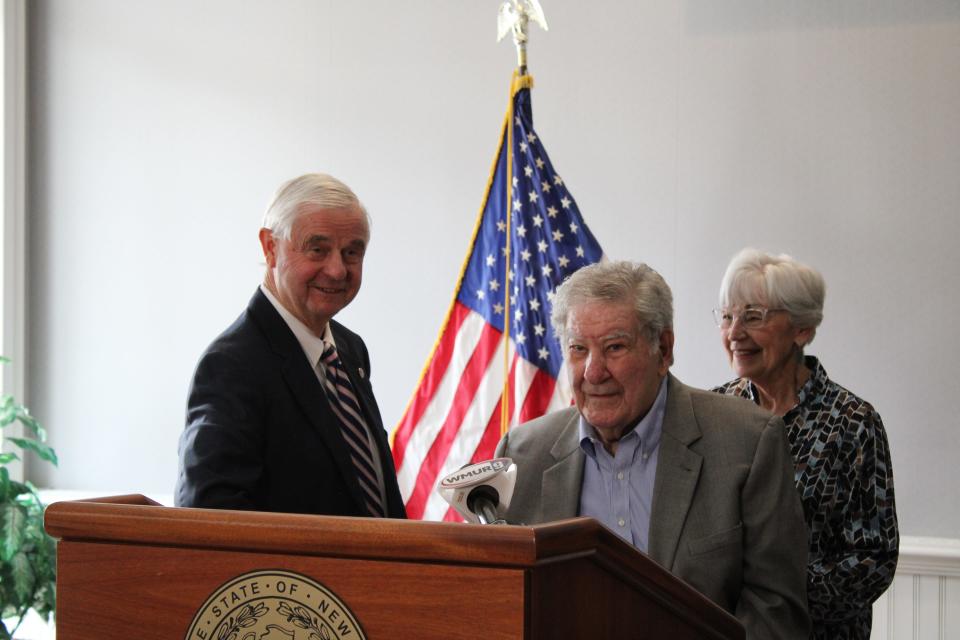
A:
[344,404]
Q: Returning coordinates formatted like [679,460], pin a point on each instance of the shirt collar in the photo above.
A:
[811,388]
[815,383]
[312,346]
[648,429]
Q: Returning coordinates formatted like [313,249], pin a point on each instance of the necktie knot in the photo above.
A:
[329,355]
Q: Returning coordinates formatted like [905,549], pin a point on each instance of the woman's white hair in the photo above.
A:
[620,282]
[316,189]
[777,281]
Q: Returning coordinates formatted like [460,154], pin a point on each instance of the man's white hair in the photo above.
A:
[619,282]
[316,189]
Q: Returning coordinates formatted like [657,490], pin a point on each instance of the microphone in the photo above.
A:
[481,492]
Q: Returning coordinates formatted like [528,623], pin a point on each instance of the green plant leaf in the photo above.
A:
[36,537]
[23,579]
[31,423]
[16,489]
[12,524]
[44,451]
[8,410]
[9,609]
[45,599]
[28,555]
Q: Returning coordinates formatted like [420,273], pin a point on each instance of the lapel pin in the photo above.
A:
[362,373]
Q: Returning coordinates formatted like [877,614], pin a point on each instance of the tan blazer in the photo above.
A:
[726,517]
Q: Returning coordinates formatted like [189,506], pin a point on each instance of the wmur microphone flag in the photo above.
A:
[497,362]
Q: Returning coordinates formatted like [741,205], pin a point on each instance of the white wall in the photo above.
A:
[686,130]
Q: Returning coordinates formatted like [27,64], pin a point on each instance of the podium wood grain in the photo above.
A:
[129,568]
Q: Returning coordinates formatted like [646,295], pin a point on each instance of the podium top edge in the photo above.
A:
[136,519]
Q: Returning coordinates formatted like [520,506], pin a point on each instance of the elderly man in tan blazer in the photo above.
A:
[702,483]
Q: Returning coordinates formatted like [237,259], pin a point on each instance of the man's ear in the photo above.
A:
[666,351]
[269,245]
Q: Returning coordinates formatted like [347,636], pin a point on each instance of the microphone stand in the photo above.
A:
[483,501]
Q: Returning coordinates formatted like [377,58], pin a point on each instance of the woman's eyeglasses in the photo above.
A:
[750,318]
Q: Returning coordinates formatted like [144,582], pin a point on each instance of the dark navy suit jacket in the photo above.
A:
[260,434]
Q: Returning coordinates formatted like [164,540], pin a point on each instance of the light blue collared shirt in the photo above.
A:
[618,490]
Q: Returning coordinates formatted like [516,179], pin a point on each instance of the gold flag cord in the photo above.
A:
[520,81]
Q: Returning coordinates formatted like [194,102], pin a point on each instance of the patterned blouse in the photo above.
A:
[842,470]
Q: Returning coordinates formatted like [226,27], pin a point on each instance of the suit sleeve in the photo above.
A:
[503,447]
[525,502]
[773,601]
[221,449]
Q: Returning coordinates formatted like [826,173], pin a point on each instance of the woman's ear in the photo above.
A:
[803,337]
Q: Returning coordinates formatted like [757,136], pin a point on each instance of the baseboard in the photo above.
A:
[923,600]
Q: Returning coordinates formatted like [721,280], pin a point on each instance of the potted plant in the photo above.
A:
[28,561]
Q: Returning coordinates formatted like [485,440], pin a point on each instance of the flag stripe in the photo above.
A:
[562,396]
[537,397]
[523,377]
[440,402]
[485,411]
[430,380]
[477,383]
[490,435]
[487,446]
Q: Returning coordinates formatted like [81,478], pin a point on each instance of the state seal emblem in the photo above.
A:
[274,605]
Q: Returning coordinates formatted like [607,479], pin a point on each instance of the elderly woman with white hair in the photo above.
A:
[770,308]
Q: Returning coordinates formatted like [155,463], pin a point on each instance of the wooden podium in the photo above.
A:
[131,568]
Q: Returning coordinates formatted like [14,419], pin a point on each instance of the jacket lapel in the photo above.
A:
[305,388]
[561,482]
[678,469]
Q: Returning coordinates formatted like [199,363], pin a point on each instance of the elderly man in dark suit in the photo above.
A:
[281,414]
[701,484]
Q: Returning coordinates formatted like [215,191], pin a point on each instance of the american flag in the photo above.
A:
[480,380]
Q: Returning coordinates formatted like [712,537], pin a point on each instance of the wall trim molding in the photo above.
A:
[929,556]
